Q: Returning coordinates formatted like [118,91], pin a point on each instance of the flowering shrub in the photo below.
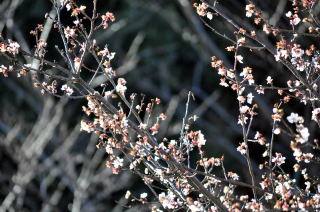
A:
[165,165]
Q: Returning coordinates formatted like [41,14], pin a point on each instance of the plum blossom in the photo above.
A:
[244,109]
[316,114]
[293,118]
[107,17]
[239,58]
[277,131]
[249,10]
[296,51]
[295,19]
[77,61]
[242,148]
[201,9]
[13,47]
[278,159]
[70,32]
[289,14]
[128,195]
[143,195]
[118,162]
[67,89]
[121,88]
[4,70]
[168,201]
[304,132]
[209,15]
[269,80]
[250,98]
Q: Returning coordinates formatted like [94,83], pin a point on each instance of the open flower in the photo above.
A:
[67,89]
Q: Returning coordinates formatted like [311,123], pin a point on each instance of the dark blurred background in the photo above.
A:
[163,50]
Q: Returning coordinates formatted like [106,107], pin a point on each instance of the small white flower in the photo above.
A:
[109,149]
[278,160]
[249,98]
[296,20]
[194,208]
[269,80]
[242,148]
[316,114]
[121,88]
[244,109]
[118,162]
[293,118]
[239,58]
[277,131]
[67,89]
[143,195]
[128,194]
[209,15]
[289,14]
[201,140]
[304,132]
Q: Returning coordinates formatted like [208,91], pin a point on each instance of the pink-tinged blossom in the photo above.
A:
[107,17]
[244,109]
[85,126]
[4,70]
[223,82]
[233,176]
[241,99]
[316,114]
[42,44]
[196,207]
[13,47]
[68,6]
[281,54]
[295,19]
[249,10]
[70,32]
[77,61]
[168,201]
[260,90]
[259,137]
[242,148]
[241,41]
[239,58]
[67,89]
[304,132]
[121,88]
[307,157]
[296,51]
[197,138]
[201,9]
[118,162]
[109,149]
[278,159]
[3,47]
[111,55]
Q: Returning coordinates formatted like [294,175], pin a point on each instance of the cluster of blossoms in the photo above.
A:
[132,143]
[303,63]
[202,10]
[10,47]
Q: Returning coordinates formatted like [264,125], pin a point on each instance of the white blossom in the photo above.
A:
[293,118]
